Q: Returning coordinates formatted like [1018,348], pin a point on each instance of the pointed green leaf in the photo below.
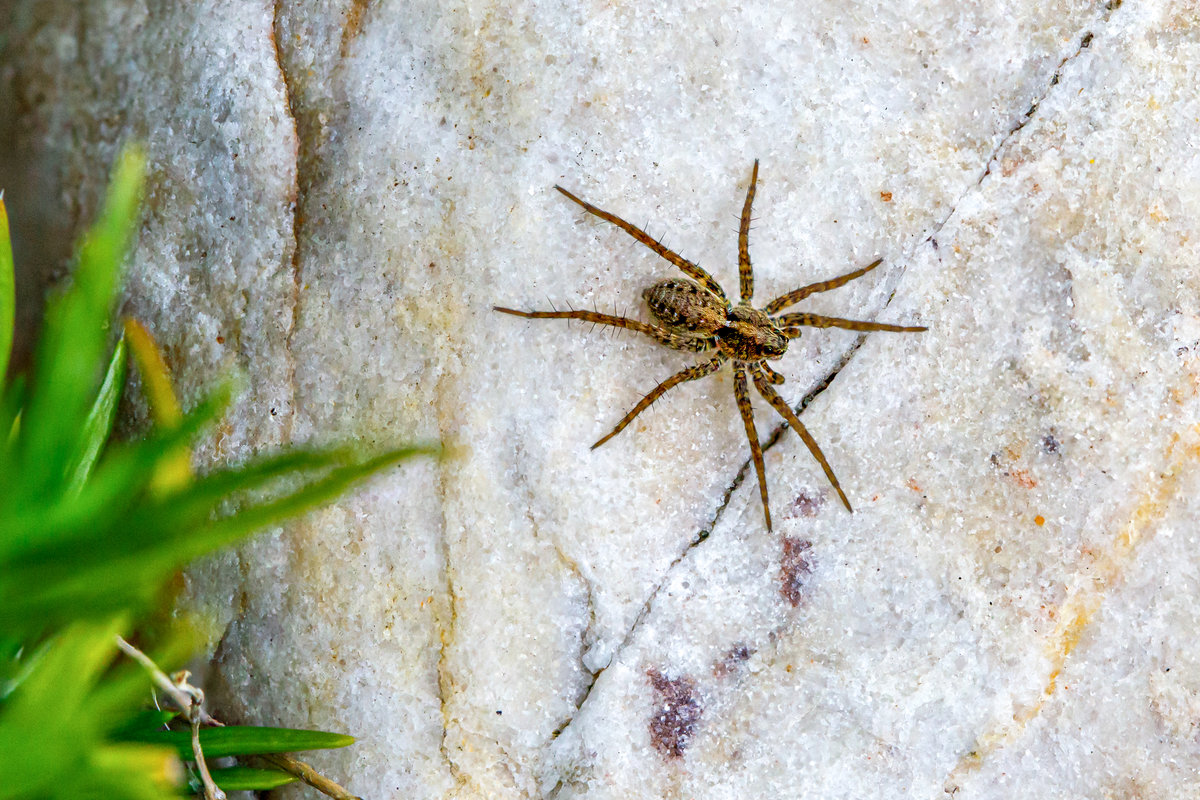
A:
[244,740]
[98,425]
[248,779]
[122,559]
[314,494]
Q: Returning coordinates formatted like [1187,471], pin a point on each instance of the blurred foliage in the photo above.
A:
[91,532]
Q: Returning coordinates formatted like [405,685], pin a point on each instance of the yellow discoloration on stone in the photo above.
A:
[1087,595]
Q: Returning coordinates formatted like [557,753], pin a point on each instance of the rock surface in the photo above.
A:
[340,193]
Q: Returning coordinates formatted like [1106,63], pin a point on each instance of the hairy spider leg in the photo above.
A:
[789,322]
[693,344]
[773,376]
[785,411]
[742,395]
[793,297]
[689,374]
[691,270]
[745,272]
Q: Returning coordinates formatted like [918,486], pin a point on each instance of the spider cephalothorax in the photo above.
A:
[694,314]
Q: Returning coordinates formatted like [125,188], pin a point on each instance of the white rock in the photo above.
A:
[1011,608]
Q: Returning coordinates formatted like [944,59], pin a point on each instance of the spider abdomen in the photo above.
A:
[686,306]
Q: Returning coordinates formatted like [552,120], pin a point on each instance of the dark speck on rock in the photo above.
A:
[733,659]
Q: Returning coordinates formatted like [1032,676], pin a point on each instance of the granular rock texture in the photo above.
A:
[340,192]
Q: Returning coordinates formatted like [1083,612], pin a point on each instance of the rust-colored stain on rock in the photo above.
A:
[676,715]
[795,566]
[805,505]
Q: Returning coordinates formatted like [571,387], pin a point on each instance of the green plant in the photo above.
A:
[90,533]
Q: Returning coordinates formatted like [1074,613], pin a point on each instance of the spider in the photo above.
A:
[694,314]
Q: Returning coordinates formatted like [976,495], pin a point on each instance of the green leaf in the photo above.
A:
[21,659]
[47,560]
[122,558]
[145,721]
[247,779]
[254,517]
[11,400]
[192,508]
[194,504]
[97,426]
[117,484]
[45,727]
[70,353]
[8,298]
[125,771]
[240,740]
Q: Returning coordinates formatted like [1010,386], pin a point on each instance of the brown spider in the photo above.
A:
[696,315]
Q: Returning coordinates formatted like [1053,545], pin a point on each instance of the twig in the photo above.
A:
[178,694]
[189,699]
[309,775]
[211,790]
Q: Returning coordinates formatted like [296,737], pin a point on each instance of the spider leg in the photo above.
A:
[690,269]
[695,344]
[745,271]
[818,321]
[743,403]
[785,411]
[793,297]
[689,374]
[772,376]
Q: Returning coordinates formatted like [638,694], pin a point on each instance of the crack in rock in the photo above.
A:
[1085,40]
[291,253]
